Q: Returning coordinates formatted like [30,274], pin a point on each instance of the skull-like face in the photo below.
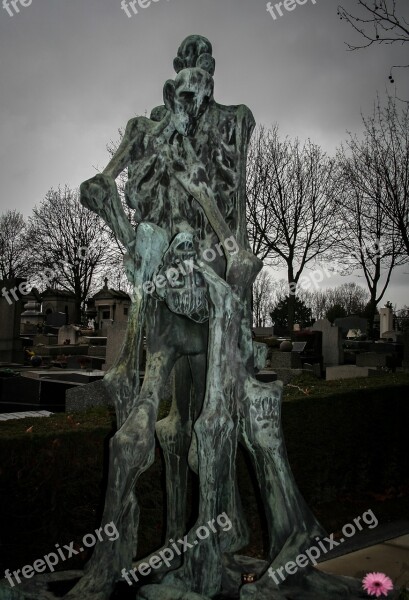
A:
[188,98]
[179,281]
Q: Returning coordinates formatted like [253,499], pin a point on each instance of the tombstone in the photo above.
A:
[115,339]
[386,320]
[332,350]
[349,372]
[351,322]
[11,347]
[263,332]
[68,332]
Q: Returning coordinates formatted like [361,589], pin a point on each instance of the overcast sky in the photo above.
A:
[73,71]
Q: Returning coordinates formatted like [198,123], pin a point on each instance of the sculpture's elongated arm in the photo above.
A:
[122,156]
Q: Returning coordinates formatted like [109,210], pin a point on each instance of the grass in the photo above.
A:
[307,385]
[58,424]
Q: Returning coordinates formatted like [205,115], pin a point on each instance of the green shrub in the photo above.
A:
[345,440]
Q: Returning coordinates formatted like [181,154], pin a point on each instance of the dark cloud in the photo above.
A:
[73,71]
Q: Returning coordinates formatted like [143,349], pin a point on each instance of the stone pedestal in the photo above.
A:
[386,320]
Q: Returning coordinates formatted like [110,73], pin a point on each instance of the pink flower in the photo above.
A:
[377,584]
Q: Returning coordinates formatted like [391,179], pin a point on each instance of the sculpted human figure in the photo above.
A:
[186,183]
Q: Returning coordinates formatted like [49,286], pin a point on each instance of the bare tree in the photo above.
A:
[402,318]
[351,297]
[71,245]
[373,243]
[263,289]
[14,252]
[387,150]
[317,301]
[290,204]
[379,22]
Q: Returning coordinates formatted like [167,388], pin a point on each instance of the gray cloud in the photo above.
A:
[72,72]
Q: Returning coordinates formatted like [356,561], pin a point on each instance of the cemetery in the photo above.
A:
[174,433]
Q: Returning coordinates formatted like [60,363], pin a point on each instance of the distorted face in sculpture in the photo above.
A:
[179,281]
[187,98]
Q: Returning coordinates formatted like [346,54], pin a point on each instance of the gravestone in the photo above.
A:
[351,322]
[350,372]
[115,338]
[11,347]
[68,333]
[332,350]
[263,332]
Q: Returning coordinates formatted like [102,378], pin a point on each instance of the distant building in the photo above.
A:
[55,302]
[108,306]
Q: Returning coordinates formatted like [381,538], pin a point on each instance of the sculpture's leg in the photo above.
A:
[216,433]
[198,368]
[174,434]
[261,429]
[131,453]
[229,491]
[292,526]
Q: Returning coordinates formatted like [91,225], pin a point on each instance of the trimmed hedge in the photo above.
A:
[342,446]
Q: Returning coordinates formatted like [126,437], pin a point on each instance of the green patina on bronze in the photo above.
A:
[186,183]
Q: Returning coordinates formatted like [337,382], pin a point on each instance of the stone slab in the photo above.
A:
[345,372]
[25,415]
